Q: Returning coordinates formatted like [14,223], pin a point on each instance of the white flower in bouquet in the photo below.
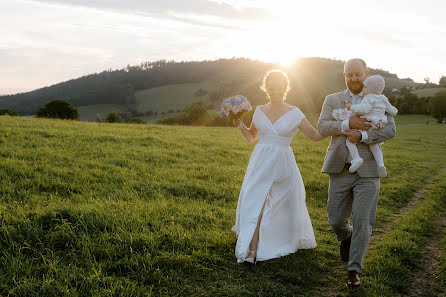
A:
[235,107]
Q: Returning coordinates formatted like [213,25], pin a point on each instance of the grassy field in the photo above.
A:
[428,92]
[414,119]
[88,113]
[442,279]
[94,209]
[162,99]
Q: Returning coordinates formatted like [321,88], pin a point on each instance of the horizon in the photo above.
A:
[186,61]
[50,43]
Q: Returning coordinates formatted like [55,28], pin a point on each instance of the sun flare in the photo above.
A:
[271,43]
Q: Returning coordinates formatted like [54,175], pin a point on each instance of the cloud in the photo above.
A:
[190,11]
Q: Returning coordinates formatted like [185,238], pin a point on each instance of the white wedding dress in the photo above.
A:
[272,170]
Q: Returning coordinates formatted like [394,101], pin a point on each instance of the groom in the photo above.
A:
[352,193]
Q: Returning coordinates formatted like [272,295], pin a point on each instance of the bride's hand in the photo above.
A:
[236,122]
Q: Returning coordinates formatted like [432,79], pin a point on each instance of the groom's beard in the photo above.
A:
[355,87]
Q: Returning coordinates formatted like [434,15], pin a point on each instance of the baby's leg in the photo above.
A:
[377,154]
[356,159]
[352,149]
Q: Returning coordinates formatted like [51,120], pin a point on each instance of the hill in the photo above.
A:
[162,86]
[428,92]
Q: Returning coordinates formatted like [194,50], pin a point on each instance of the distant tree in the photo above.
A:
[195,110]
[437,106]
[58,109]
[200,92]
[404,90]
[113,117]
[194,114]
[423,105]
[137,121]
[442,81]
[10,112]
[136,113]
[126,116]
[412,100]
[130,98]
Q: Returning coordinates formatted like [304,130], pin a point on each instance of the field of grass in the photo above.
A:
[88,113]
[406,119]
[442,279]
[175,97]
[160,99]
[428,92]
[95,209]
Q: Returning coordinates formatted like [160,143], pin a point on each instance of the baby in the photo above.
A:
[373,108]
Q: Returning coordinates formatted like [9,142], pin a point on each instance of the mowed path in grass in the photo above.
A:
[136,210]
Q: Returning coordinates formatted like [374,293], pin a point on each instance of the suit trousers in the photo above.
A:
[350,195]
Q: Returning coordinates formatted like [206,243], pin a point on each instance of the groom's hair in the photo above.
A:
[356,60]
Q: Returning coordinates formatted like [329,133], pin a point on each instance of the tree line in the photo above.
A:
[311,78]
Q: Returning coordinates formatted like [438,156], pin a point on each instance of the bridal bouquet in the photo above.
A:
[235,107]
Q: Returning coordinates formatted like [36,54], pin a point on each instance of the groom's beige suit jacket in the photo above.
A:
[337,152]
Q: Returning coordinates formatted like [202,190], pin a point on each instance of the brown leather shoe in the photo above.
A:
[345,248]
[353,279]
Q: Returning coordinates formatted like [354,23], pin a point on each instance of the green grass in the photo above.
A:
[429,92]
[94,209]
[161,99]
[391,262]
[88,113]
[442,273]
[414,119]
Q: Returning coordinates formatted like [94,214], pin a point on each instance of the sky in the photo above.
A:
[44,42]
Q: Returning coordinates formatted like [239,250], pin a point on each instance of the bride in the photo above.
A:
[272,219]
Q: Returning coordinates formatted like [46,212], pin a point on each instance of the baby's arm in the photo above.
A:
[390,109]
[362,108]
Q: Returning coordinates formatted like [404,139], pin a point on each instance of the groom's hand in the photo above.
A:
[353,135]
[358,123]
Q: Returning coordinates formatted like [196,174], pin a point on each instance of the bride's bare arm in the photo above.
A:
[250,134]
[307,129]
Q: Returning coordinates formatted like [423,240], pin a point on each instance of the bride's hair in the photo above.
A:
[276,74]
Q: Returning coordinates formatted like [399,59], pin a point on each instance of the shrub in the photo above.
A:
[437,106]
[113,117]
[137,121]
[10,112]
[58,109]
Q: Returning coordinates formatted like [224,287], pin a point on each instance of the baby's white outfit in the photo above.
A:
[373,108]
